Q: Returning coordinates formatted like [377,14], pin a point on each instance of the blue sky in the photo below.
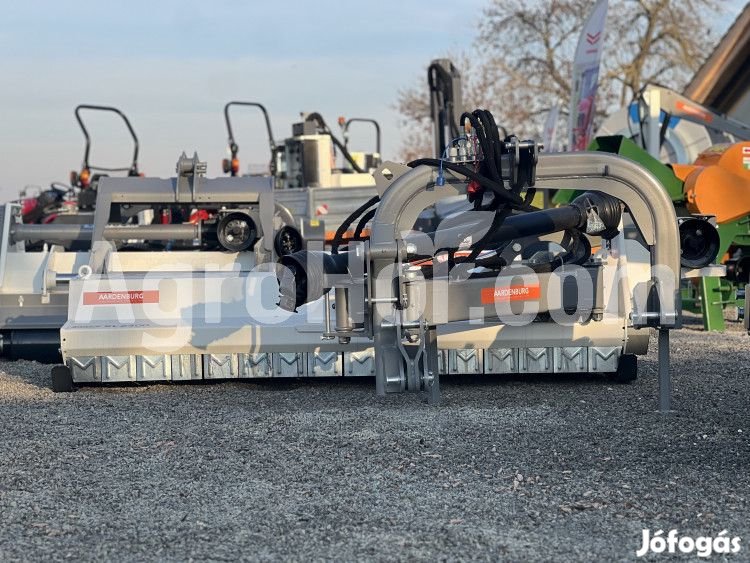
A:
[172,65]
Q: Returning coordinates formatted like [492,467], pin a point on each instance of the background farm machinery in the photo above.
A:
[702,160]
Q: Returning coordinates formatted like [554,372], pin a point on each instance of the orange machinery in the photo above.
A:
[718,183]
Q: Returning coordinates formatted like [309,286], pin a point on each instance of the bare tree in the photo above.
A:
[413,103]
[531,55]
[521,62]
[657,41]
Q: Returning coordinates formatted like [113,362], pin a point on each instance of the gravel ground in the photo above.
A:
[528,468]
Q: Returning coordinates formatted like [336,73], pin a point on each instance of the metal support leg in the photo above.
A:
[653,99]
[665,382]
[711,303]
[433,375]
[380,383]
[390,375]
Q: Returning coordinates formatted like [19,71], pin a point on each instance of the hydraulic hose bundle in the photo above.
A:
[501,174]
[304,277]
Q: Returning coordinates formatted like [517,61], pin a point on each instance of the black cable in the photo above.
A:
[363,222]
[337,238]
[495,153]
[640,125]
[498,189]
[480,245]
[487,165]
[438,80]
[315,116]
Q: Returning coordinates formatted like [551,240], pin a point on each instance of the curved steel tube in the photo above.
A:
[232,144]
[638,189]
[363,120]
[77,112]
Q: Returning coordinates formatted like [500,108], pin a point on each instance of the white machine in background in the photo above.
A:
[308,159]
[321,193]
[309,183]
[672,127]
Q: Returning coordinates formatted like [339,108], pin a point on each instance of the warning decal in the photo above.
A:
[510,293]
[119,297]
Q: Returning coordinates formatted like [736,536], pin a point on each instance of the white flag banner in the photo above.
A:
[586,78]
[549,136]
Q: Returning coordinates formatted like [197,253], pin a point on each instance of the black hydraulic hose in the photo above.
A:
[489,138]
[439,80]
[487,150]
[350,159]
[497,144]
[505,195]
[337,238]
[640,122]
[316,117]
[482,243]
[572,217]
[366,218]
[494,154]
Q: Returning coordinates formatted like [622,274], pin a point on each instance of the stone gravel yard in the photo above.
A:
[521,468]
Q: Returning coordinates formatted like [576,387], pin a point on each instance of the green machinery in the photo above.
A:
[708,295]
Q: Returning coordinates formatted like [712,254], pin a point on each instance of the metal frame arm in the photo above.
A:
[444,82]
[363,120]
[638,189]
[77,112]
[232,144]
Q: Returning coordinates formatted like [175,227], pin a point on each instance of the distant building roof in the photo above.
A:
[723,82]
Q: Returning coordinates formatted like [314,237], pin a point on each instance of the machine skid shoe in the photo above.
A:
[627,369]
[62,380]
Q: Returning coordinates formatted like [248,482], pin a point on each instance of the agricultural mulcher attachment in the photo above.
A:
[499,287]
